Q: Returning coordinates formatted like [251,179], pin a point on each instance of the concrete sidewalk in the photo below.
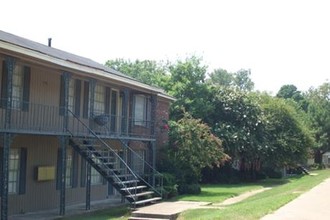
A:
[312,205]
[166,210]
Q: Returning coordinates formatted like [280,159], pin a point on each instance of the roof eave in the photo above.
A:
[78,67]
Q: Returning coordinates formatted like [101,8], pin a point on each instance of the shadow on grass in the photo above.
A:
[120,212]
[206,195]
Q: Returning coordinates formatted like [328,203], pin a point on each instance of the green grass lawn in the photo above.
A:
[216,193]
[263,203]
[254,207]
[116,213]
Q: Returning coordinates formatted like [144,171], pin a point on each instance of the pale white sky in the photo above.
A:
[281,41]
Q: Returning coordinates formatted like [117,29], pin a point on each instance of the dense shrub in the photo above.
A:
[170,186]
[223,174]
[273,173]
[189,189]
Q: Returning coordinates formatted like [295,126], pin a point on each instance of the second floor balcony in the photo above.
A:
[31,118]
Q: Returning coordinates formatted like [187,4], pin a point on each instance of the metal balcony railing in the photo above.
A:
[18,117]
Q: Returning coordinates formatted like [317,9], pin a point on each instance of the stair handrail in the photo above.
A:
[104,143]
[148,164]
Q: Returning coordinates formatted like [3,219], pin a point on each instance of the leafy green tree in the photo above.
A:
[291,92]
[239,80]
[147,71]
[193,147]
[243,81]
[238,122]
[187,85]
[319,114]
[288,137]
[221,77]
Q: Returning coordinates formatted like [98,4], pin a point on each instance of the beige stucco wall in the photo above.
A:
[42,151]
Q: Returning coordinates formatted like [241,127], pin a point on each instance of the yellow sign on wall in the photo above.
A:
[46,173]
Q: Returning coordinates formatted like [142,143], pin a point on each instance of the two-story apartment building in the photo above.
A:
[74,131]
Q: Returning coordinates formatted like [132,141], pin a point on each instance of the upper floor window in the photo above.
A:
[99,100]
[74,95]
[71,95]
[17,87]
[142,110]
[20,86]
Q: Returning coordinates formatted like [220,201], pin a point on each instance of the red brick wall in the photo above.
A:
[162,116]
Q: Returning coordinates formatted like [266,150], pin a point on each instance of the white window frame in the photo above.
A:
[69,168]
[96,177]
[116,116]
[142,110]
[14,170]
[99,99]
[71,94]
[137,162]
[17,86]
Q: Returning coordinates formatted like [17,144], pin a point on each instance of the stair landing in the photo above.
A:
[165,210]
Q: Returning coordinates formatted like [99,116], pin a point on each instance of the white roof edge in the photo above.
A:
[165,96]
[79,67]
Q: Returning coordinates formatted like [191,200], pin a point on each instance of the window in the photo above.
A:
[69,168]
[138,161]
[71,95]
[17,93]
[20,86]
[114,118]
[17,161]
[99,98]
[14,168]
[96,177]
[142,110]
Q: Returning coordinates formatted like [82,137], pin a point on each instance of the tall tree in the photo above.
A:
[187,84]
[193,147]
[288,137]
[222,78]
[239,80]
[319,113]
[147,71]
[291,92]
[243,80]
[238,122]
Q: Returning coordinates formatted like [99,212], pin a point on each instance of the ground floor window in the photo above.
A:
[96,177]
[69,168]
[138,158]
[14,168]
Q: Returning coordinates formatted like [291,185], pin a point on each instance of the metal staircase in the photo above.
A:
[137,189]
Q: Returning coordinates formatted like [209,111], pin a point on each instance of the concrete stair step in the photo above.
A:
[148,218]
[140,194]
[128,182]
[153,216]
[134,188]
[154,199]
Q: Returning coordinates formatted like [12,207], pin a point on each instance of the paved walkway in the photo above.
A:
[168,210]
[312,205]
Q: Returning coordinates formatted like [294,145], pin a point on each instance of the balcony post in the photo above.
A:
[10,62]
[153,163]
[153,101]
[5,175]
[88,186]
[63,145]
[66,77]
[92,84]
[125,112]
